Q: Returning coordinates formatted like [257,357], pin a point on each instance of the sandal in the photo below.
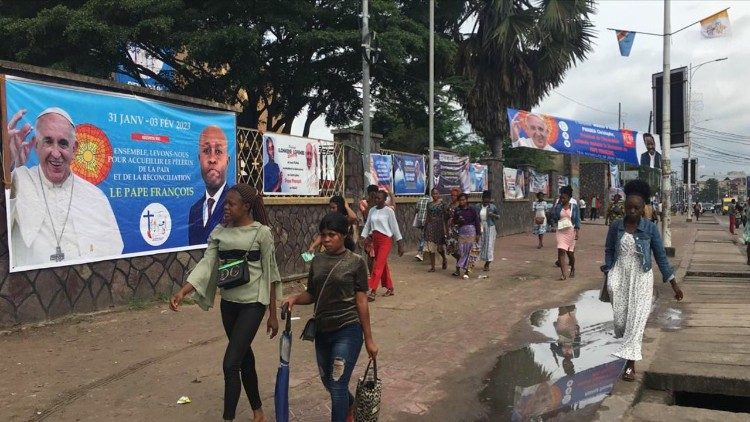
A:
[562,277]
[371,297]
[389,292]
[456,274]
[445,265]
[629,374]
[572,273]
[431,270]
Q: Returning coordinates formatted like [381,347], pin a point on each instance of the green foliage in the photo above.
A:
[710,191]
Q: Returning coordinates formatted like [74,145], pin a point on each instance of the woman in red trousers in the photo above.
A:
[381,229]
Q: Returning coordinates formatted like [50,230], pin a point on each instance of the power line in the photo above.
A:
[586,105]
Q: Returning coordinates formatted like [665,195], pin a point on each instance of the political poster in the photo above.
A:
[513,183]
[555,134]
[538,182]
[409,176]
[98,175]
[562,181]
[381,171]
[141,57]
[478,177]
[291,165]
[451,171]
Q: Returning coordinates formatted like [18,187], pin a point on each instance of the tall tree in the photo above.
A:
[518,51]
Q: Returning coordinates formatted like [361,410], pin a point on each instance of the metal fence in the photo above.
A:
[250,163]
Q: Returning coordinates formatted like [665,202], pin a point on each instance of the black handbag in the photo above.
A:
[234,271]
[308,333]
[604,293]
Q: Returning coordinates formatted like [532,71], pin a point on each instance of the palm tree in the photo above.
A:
[518,52]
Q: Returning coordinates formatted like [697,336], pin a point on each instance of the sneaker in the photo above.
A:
[419,257]
[466,277]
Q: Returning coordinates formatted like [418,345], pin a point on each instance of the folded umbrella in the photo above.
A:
[281,393]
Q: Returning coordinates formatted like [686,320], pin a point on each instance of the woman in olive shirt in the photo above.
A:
[242,307]
[338,283]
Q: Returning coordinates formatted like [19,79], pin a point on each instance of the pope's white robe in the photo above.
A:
[90,231]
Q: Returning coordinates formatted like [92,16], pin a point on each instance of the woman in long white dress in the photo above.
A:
[627,261]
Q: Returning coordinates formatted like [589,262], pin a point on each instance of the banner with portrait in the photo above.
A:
[409,176]
[108,175]
[478,177]
[538,182]
[555,134]
[562,181]
[451,171]
[291,165]
[513,183]
[381,171]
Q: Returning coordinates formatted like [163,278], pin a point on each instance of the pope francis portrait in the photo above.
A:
[55,215]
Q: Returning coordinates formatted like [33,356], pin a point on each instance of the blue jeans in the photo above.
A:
[337,353]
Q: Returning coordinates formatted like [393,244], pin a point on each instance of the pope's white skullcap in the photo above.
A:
[57,110]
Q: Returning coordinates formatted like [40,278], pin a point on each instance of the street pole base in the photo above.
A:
[670,251]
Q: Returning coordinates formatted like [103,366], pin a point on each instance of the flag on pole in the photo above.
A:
[716,25]
[625,40]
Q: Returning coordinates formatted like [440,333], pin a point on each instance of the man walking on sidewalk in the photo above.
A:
[732,216]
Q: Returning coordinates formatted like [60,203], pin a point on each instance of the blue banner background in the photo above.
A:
[409,174]
[139,167]
[381,171]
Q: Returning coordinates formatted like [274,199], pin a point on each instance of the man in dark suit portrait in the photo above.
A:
[208,211]
[651,158]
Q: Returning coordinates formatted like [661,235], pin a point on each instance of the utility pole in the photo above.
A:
[366,139]
[666,171]
[431,158]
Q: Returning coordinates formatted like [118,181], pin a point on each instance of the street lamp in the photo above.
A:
[691,71]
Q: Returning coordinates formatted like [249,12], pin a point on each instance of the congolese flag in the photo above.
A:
[625,40]
[716,25]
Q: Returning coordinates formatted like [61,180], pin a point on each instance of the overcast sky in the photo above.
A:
[721,91]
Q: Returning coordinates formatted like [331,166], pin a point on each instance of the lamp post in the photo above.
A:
[691,71]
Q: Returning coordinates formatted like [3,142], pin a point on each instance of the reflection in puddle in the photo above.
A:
[558,379]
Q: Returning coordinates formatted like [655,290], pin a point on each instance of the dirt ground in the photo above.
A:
[438,336]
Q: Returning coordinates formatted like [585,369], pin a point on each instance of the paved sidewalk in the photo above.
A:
[438,337]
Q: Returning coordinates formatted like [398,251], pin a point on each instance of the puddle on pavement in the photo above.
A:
[564,378]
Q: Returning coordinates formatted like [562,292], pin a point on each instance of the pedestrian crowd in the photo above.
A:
[350,262]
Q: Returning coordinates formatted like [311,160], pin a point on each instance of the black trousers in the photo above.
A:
[241,322]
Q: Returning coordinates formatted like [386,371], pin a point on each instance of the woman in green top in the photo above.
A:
[242,307]
[337,284]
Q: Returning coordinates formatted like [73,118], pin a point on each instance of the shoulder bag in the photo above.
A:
[604,292]
[234,271]
[367,397]
[308,333]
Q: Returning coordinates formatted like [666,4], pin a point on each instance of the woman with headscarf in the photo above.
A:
[488,213]
[630,244]
[469,229]
[436,217]
[568,219]
[246,233]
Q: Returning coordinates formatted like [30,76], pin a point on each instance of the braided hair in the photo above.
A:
[254,200]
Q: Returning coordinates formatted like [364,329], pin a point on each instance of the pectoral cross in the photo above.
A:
[58,256]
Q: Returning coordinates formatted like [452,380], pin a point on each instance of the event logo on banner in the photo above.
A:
[550,133]
[409,174]
[381,171]
[451,171]
[478,177]
[538,182]
[513,182]
[291,165]
[109,175]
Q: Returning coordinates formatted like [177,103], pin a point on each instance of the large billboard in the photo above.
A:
[98,175]
[451,171]
[555,134]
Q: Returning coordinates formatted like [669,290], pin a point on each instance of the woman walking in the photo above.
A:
[469,226]
[568,220]
[630,277]
[436,218]
[242,307]
[337,284]
[451,240]
[540,218]
[488,213]
[746,231]
[382,229]
[337,204]
[616,210]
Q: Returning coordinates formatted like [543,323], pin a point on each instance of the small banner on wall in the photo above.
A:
[409,177]
[562,181]
[291,165]
[110,176]
[478,176]
[381,171]
[451,171]
[513,183]
[538,182]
